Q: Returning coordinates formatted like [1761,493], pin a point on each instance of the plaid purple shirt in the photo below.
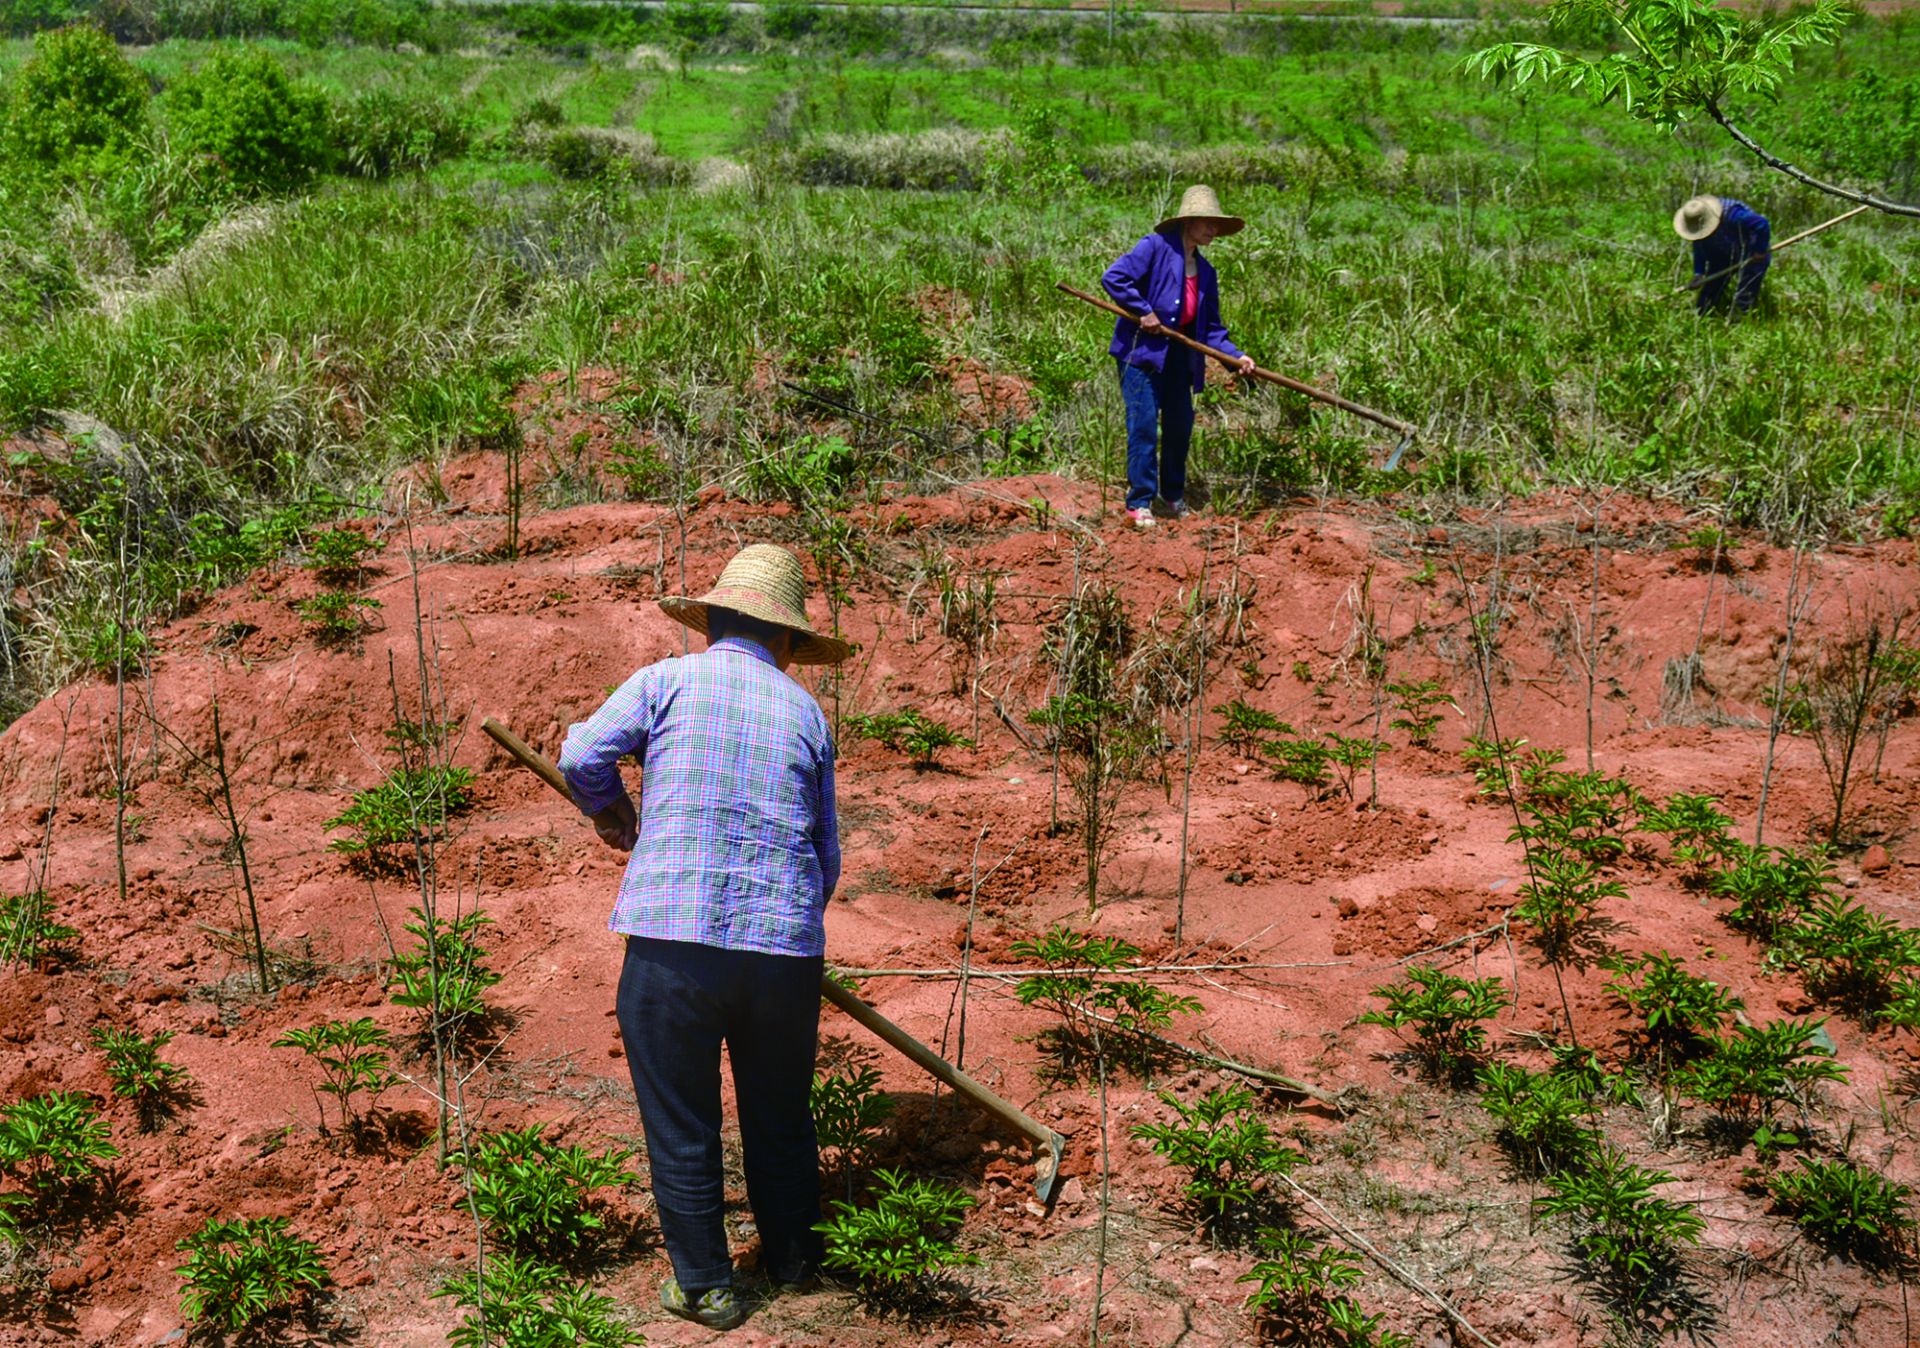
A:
[739,846]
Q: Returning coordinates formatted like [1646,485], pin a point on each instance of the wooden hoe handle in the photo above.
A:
[1047,1175]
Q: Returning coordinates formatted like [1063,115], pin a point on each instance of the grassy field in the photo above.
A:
[1496,269]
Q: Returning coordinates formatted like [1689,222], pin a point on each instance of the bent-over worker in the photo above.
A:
[735,850]
[1728,236]
[1166,280]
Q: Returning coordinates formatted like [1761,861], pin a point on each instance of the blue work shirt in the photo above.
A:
[1742,240]
[739,846]
[1153,276]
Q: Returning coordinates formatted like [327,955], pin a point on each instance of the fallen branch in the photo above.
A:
[1389,1265]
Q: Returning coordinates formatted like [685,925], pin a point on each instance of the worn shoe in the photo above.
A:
[716,1308]
[1142,518]
[1169,510]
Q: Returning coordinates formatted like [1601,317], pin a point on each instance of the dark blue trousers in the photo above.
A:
[1159,429]
[678,1002]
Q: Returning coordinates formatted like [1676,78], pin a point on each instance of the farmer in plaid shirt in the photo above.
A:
[735,850]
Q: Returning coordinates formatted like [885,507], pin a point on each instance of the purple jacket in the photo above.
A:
[1152,276]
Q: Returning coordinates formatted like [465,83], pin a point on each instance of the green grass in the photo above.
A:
[1496,270]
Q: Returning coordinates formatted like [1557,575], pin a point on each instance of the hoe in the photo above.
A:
[1047,1174]
[1403,429]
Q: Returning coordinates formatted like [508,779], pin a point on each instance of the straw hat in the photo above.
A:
[1698,217]
[1199,203]
[763,581]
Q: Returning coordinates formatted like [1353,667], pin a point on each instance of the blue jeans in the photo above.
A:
[677,1002]
[1159,429]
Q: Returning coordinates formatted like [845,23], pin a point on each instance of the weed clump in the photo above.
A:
[134,1068]
[895,1249]
[1300,1294]
[411,805]
[536,1194]
[1102,1014]
[848,1112]
[516,1300]
[1543,1117]
[1633,1236]
[1849,1209]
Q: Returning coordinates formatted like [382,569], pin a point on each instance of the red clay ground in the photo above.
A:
[1337,897]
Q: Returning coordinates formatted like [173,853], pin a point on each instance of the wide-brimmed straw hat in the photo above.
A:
[1698,217]
[1199,203]
[763,581]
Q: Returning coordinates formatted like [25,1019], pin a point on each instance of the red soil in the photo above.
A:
[1338,895]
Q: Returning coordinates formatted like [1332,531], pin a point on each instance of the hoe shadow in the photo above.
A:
[1664,1305]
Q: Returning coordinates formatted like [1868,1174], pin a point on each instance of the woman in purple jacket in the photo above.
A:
[1166,281]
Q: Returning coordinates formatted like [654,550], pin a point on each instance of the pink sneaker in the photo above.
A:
[1142,518]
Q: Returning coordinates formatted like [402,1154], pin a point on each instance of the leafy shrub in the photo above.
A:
[28,933]
[1560,902]
[1543,1116]
[353,1059]
[1227,1150]
[412,804]
[892,1248]
[1584,813]
[336,617]
[262,130]
[536,1194]
[580,154]
[110,649]
[137,1074]
[1678,1012]
[1418,702]
[54,1142]
[1590,1077]
[1096,1006]
[443,977]
[1300,1299]
[1349,754]
[1772,886]
[1635,1237]
[1849,956]
[339,556]
[1848,1208]
[379,132]
[1696,830]
[848,1113]
[239,1272]
[524,1303]
[1444,1012]
[920,735]
[1755,1068]
[76,103]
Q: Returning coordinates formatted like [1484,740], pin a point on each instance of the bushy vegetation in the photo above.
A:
[240,1272]
[536,1194]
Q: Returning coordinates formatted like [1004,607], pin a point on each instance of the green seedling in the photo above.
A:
[1248,730]
[354,1059]
[1300,760]
[1849,956]
[1849,1209]
[1561,901]
[443,977]
[1543,1117]
[1584,813]
[1772,886]
[925,738]
[536,1194]
[906,1237]
[1634,1237]
[1097,1006]
[1350,756]
[53,1143]
[1229,1154]
[1299,1294]
[137,1074]
[1678,1013]
[28,933]
[1444,1012]
[848,1114]
[340,556]
[1418,703]
[524,1303]
[239,1273]
[1493,763]
[1696,830]
[337,617]
[410,807]
[1756,1068]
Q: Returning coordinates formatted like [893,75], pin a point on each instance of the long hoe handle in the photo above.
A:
[1046,1176]
[1317,394]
